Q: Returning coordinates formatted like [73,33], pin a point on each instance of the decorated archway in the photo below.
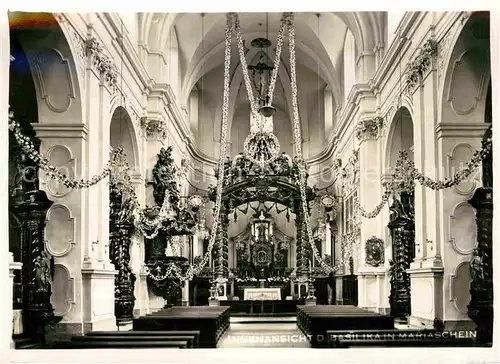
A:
[401,224]
[465,110]
[47,139]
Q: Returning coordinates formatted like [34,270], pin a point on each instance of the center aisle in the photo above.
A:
[263,332]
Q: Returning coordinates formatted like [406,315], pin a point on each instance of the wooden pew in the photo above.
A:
[135,338]
[211,322]
[134,344]
[194,334]
[315,321]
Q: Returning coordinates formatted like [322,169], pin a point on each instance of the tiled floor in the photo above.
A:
[271,334]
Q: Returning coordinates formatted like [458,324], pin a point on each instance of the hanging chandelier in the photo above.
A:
[261,146]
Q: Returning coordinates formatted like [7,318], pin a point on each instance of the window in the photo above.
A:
[348,213]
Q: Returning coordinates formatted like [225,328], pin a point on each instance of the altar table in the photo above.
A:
[262,294]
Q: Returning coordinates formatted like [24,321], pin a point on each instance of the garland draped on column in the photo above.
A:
[301,255]
[222,249]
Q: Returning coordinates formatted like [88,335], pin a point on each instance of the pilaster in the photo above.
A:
[99,300]
[67,221]
[426,272]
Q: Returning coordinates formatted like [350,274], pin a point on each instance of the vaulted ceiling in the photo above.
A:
[319,40]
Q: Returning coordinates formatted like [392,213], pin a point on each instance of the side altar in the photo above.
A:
[262,294]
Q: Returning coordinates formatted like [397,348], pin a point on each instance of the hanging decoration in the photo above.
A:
[298,149]
[53,172]
[261,146]
[101,61]
[148,221]
[421,64]
[405,174]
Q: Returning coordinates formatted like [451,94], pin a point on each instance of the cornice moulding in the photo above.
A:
[53,130]
[460,130]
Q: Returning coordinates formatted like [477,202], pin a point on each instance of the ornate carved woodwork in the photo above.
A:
[480,308]
[222,246]
[402,228]
[301,245]
[38,265]
[182,223]
[246,182]
[121,228]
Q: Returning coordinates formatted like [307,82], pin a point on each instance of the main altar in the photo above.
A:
[262,294]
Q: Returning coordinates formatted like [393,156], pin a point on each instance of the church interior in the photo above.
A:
[180,180]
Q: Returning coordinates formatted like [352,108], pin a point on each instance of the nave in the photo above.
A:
[367,208]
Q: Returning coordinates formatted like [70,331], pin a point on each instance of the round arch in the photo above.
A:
[122,134]
[399,137]
[53,61]
[466,71]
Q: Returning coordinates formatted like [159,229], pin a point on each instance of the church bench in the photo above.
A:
[315,321]
[190,339]
[306,316]
[195,334]
[212,322]
[135,344]
[221,320]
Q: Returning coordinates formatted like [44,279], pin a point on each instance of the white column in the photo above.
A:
[426,273]
[196,247]
[98,274]
[328,241]
[185,293]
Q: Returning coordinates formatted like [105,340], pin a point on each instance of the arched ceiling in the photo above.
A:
[319,41]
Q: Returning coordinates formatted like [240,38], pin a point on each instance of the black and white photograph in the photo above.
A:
[203,181]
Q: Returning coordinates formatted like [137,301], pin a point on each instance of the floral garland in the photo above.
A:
[53,172]
[405,174]
[246,280]
[421,64]
[278,279]
[302,167]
